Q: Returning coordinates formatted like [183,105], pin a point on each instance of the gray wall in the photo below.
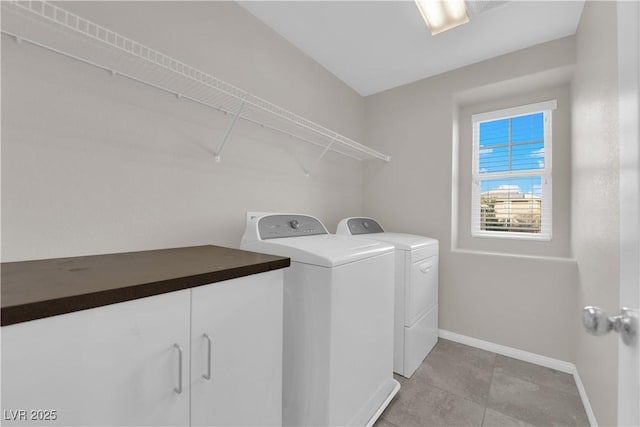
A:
[496,290]
[595,198]
[96,164]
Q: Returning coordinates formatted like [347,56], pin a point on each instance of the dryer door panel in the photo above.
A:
[422,289]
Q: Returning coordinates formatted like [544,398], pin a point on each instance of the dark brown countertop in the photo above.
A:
[42,288]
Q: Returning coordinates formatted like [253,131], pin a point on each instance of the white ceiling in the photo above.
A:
[377,45]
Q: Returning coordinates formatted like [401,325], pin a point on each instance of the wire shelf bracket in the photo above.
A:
[229,130]
[50,27]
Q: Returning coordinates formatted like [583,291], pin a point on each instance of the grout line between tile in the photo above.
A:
[526,380]
[493,371]
[484,407]
[494,366]
[484,413]
[456,395]
[388,422]
[540,382]
[535,384]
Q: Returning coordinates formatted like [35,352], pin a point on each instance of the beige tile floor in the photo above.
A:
[458,385]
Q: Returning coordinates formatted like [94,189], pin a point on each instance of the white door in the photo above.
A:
[236,368]
[629,82]
[114,365]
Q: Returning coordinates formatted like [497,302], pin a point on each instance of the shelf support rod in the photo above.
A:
[229,130]
[317,162]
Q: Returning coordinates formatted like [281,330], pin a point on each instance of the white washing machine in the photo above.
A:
[416,291]
[338,320]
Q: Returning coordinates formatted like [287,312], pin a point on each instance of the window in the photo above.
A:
[511,188]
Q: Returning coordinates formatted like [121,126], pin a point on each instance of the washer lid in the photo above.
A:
[326,250]
[370,228]
[405,242]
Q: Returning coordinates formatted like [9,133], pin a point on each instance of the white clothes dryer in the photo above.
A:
[416,291]
[338,320]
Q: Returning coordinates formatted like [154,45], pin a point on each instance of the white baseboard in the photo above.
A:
[548,362]
[585,399]
[537,359]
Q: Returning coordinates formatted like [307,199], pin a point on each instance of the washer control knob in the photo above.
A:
[294,224]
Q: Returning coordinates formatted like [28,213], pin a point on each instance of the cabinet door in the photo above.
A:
[243,321]
[112,365]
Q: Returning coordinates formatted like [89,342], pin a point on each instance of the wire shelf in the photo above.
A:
[50,27]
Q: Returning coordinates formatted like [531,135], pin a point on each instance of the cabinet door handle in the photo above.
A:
[207,376]
[178,389]
[426,267]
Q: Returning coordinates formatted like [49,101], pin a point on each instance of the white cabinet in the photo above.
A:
[113,365]
[119,365]
[243,322]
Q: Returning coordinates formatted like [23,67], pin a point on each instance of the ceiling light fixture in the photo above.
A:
[443,15]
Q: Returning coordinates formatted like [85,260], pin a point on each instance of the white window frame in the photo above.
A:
[545,234]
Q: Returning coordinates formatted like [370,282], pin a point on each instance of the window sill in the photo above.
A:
[511,255]
[512,236]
